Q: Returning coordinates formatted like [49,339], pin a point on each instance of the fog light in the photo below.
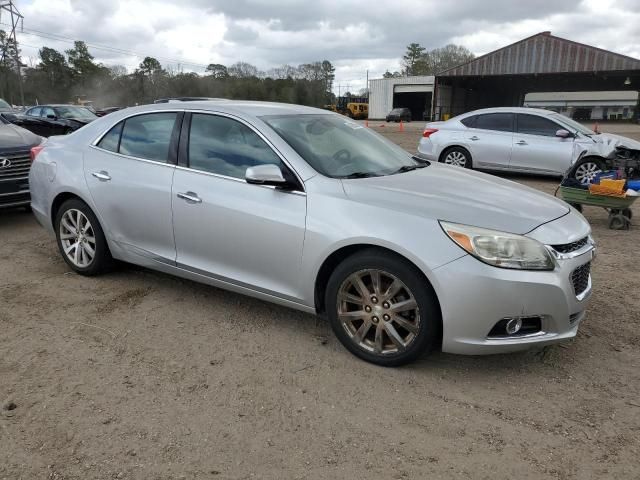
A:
[513,326]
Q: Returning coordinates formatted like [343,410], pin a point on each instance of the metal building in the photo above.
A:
[414,93]
[540,63]
[618,105]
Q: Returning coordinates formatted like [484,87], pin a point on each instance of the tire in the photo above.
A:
[627,213]
[457,156]
[586,170]
[415,324]
[90,235]
[577,206]
[617,221]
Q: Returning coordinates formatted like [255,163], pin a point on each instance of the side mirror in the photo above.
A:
[562,133]
[265,175]
[51,116]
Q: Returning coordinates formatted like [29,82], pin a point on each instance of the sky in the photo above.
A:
[355,35]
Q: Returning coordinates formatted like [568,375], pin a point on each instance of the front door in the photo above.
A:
[225,228]
[537,149]
[129,174]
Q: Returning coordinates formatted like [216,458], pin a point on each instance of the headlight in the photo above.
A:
[500,249]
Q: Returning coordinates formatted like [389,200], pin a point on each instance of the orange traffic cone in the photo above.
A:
[366,123]
[401,126]
[596,127]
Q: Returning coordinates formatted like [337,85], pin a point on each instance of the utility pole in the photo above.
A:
[16,18]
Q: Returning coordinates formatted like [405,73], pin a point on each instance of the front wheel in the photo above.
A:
[586,170]
[80,239]
[382,309]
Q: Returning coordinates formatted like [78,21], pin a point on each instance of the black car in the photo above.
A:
[107,110]
[47,120]
[15,149]
[7,111]
[399,114]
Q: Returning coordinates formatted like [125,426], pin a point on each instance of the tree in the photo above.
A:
[388,74]
[55,67]
[81,61]
[412,55]
[150,67]
[217,70]
[449,56]
[328,76]
[242,70]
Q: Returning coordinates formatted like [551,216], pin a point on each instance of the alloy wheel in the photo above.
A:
[456,158]
[378,311]
[587,172]
[77,238]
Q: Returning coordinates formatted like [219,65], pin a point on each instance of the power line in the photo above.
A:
[62,38]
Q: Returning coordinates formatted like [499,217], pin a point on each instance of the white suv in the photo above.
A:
[526,140]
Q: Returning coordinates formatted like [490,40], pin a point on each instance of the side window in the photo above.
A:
[148,136]
[501,122]
[469,122]
[46,111]
[535,125]
[226,147]
[34,112]
[111,140]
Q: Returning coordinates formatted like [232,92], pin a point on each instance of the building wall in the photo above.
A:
[381,92]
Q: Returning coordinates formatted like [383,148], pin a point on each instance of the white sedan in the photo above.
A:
[527,140]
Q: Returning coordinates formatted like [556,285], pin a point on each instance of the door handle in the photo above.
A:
[474,138]
[102,176]
[522,142]
[190,197]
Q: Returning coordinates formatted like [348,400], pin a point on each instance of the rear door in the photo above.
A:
[230,230]
[489,138]
[536,148]
[129,174]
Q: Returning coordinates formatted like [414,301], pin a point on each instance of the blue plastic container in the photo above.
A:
[633,184]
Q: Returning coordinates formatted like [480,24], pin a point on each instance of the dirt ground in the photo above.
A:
[138,375]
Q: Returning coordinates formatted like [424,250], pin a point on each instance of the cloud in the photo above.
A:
[355,35]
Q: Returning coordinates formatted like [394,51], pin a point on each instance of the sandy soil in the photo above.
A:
[139,375]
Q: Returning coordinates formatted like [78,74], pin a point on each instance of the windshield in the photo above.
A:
[572,124]
[75,112]
[5,105]
[338,147]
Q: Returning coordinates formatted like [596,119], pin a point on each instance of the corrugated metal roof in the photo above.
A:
[544,53]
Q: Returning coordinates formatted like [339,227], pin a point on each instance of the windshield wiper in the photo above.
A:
[409,168]
[360,175]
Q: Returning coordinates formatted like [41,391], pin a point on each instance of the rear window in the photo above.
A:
[111,140]
[469,121]
[148,136]
[501,122]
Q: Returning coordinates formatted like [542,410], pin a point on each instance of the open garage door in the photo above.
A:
[415,98]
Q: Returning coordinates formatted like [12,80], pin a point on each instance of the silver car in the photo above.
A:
[308,209]
[527,140]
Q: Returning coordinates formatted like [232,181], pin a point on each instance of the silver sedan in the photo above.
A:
[311,210]
[525,140]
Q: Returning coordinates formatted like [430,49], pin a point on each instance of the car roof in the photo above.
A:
[535,111]
[245,107]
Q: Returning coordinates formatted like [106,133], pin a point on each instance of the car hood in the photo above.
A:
[442,192]
[605,144]
[13,137]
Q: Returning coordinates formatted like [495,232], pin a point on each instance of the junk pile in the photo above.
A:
[610,190]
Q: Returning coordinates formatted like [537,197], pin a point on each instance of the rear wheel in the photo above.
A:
[81,240]
[456,156]
[381,308]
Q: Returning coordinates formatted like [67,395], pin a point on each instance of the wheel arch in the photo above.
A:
[337,256]
[59,199]
[448,148]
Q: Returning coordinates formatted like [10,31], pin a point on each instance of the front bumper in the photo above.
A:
[475,296]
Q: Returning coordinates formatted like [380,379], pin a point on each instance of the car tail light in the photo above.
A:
[35,151]
[428,132]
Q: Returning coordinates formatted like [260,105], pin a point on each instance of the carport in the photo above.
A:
[416,98]
[540,63]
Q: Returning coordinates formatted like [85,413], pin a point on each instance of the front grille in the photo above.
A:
[580,278]
[571,247]
[19,165]
[18,198]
